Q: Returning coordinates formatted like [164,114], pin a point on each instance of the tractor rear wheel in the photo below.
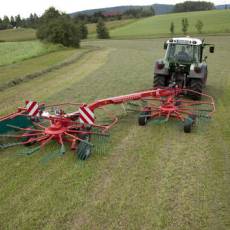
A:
[159,81]
[196,85]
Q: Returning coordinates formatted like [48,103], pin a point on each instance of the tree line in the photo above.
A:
[139,12]
[185,25]
[189,6]
[16,21]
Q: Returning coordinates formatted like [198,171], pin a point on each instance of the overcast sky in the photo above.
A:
[25,7]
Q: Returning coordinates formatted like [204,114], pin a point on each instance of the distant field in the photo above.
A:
[111,25]
[17,35]
[215,21]
[12,52]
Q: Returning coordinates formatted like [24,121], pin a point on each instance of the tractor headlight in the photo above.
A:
[197,69]
[160,65]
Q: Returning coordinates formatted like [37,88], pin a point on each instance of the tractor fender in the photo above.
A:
[198,71]
[161,67]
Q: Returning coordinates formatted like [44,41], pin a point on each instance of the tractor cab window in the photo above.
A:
[182,53]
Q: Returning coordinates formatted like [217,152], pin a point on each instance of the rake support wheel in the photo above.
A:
[188,125]
[84,150]
[143,118]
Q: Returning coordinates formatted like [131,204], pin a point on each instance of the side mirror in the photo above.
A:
[165,45]
[211,49]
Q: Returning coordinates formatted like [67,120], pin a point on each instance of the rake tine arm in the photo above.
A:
[46,140]
[87,132]
[23,135]
[39,125]
[77,138]
[24,129]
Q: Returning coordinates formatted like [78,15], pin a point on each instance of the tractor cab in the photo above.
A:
[183,51]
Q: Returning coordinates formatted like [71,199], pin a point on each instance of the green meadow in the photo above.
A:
[215,21]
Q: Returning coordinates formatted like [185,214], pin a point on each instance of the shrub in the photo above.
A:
[184,25]
[83,30]
[102,31]
[58,28]
[172,27]
[199,26]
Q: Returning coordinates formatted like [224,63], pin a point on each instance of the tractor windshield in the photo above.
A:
[183,53]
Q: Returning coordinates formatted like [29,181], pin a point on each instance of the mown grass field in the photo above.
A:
[15,73]
[215,21]
[153,177]
[17,35]
[12,52]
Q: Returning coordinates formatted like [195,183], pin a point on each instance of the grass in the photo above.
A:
[152,177]
[12,52]
[17,35]
[215,21]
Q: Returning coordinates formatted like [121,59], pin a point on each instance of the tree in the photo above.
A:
[36,21]
[83,30]
[50,14]
[185,25]
[12,21]
[32,21]
[1,25]
[152,10]
[58,28]
[6,22]
[172,27]
[18,20]
[199,26]
[102,31]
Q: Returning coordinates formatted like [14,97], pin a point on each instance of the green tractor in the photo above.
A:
[183,66]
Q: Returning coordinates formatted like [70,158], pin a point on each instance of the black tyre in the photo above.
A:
[178,103]
[143,118]
[159,81]
[193,117]
[84,150]
[188,125]
[196,85]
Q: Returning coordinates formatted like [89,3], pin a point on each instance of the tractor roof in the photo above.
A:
[185,41]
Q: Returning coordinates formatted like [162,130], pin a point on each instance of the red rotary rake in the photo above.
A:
[40,125]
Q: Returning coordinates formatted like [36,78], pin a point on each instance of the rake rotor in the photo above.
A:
[177,107]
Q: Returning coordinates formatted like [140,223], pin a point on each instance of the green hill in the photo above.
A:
[215,21]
